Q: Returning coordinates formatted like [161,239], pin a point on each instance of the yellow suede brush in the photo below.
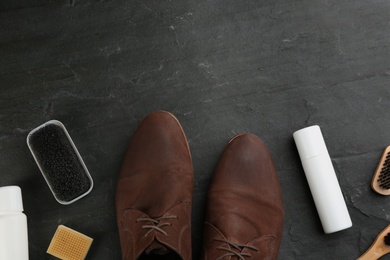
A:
[381,180]
[68,244]
[380,247]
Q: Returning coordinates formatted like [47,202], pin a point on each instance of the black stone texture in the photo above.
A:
[222,67]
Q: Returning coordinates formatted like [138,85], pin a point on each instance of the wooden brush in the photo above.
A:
[381,180]
[68,244]
[380,247]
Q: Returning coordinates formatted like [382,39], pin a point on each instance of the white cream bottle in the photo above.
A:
[13,225]
[322,179]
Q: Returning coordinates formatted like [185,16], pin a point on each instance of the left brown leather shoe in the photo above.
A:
[154,192]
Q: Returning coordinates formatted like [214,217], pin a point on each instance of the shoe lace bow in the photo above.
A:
[156,224]
[231,252]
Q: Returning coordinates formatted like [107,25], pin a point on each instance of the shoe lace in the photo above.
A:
[231,252]
[157,224]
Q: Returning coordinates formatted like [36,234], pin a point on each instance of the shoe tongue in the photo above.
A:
[156,248]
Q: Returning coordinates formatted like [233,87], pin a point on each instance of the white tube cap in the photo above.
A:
[310,142]
[11,199]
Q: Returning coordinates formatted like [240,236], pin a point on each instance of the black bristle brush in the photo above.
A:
[381,180]
[380,247]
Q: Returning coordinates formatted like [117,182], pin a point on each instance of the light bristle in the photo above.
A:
[69,244]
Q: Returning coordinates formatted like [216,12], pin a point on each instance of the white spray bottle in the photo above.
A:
[322,179]
[13,225]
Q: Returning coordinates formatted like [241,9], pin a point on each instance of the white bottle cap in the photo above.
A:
[11,199]
[310,142]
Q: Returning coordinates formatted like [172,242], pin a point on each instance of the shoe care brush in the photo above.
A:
[60,162]
[69,244]
[381,180]
[380,247]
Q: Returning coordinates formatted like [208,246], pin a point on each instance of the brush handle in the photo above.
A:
[374,253]
[379,247]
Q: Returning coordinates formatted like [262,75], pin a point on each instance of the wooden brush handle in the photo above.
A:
[378,248]
[373,253]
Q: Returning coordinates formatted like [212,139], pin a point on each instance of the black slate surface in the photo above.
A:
[222,67]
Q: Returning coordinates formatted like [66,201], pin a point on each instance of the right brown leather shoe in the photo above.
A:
[244,217]
[154,192]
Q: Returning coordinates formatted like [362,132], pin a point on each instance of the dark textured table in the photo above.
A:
[222,67]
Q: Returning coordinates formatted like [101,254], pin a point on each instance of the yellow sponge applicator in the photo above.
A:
[68,244]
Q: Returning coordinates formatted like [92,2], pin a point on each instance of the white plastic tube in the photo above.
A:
[13,225]
[322,179]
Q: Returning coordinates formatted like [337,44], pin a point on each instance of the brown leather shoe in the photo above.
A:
[244,217]
[154,191]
